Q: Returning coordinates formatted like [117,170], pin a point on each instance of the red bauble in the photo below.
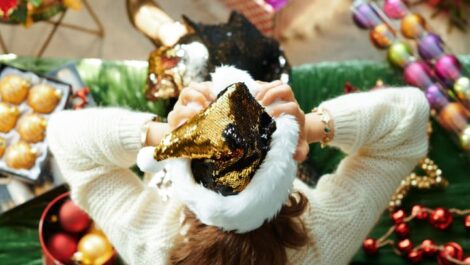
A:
[398,216]
[466,221]
[466,260]
[441,218]
[402,230]
[6,5]
[62,247]
[419,212]
[370,246]
[415,256]
[72,218]
[405,246]
[429,248]
[451,249]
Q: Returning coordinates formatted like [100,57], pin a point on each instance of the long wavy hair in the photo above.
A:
[203,244]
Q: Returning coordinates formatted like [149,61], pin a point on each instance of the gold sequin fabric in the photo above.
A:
[227,142]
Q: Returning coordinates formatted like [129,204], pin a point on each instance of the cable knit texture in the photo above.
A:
[383,133]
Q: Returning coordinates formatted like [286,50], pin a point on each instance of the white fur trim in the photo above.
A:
[226,75]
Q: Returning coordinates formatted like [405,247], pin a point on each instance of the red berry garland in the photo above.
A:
[440,218]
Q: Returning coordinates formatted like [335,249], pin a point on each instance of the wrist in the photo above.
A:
[315,128]
[155,133]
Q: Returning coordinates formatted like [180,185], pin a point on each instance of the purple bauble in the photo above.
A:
[395,9]
[448,68]
[365,16]
[430,46]
[277,4]
[418,74]
[436,97]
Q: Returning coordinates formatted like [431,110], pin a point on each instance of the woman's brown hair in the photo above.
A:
[205,244]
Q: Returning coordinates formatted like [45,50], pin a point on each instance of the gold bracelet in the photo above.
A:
[145,130]
[325,119]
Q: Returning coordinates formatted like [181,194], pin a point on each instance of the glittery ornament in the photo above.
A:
[94,249]
[430,46]
[402,230]
[395,9]
[32,128]
[452,250]
[365,16]
[13,89]
[8,116]
[465,138]
[72,218]
[62,247]
[453,117]
[382,36]
[233,132]
[415,256]
[448,68]
[20,155]
[429,248]
[43,98]
[440,218]
[462,88]
[398,216]
[418,74]
[413,26]
[3,145]
[399,54]
[436,97]
[405,246]
[370,246]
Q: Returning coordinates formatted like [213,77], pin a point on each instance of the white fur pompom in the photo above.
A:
[146,162]
[225,75]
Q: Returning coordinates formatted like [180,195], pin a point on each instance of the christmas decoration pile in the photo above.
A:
[69,236]
[440,218]
[26,101]
[437,73]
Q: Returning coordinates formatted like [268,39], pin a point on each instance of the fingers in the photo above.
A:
[205,89]
[181,114]
[290,108]
[265,87]
[190,94]
[282,92]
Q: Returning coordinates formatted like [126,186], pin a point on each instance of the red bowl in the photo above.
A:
[46,229]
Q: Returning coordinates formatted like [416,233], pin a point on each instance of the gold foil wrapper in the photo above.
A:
[227,142]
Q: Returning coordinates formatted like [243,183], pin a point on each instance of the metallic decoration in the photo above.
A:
[3,145]
[382,36]
[20,155]
[93,249]
[14,89]
[399,54]
[43,98]
[32,128]
[8,116]
[413,26]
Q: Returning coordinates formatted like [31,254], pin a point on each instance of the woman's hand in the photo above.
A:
[193,99]
[274,91]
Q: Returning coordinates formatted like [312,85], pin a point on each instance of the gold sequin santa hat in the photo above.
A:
[232,164]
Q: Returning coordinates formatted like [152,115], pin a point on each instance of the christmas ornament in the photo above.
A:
[436,97]
[20,155]
[467,222]
[415,256]
[370,246]
[405,246]
[398,216]
[429,248]
[440,218]
[465,138]
[418,74]
[430,46]
[32,128]
[462,89]
[452,250]
[395,9]
[419,212]
[399,54]
[8,117]
[448,68]
[3,145]
[6,5]
[454,117]
[62,247]
[72,218]
[13,89]
[94,249]
[382,36]
[365,16]
[43,98]
[402,230]
[413,26]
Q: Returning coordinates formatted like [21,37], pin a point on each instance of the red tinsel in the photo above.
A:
[6,5]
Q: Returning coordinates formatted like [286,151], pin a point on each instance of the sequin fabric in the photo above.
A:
[227,142]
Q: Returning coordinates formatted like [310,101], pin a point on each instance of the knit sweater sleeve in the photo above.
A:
[384,135]
[94,149]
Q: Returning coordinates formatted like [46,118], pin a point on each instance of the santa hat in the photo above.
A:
[232,164]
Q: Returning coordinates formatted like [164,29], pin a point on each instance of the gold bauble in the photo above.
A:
[43,98]
[465,138]
[20,155]
[95,249]
[413,26]
[382,36]
[3,145]
[32,128]
[8,116]
[462,88]
[13,89]
[453,117]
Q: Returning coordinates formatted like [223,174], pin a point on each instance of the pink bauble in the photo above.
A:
[418,74]
[72,218]
[448,68]
[62,247]
[395,9]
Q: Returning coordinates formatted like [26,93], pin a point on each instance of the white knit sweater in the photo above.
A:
[383,133]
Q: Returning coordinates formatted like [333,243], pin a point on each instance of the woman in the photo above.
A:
[383,132]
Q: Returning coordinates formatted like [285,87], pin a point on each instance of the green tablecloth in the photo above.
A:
[121,83]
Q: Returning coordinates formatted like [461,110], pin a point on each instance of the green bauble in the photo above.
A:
[462,88]
[399,54]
